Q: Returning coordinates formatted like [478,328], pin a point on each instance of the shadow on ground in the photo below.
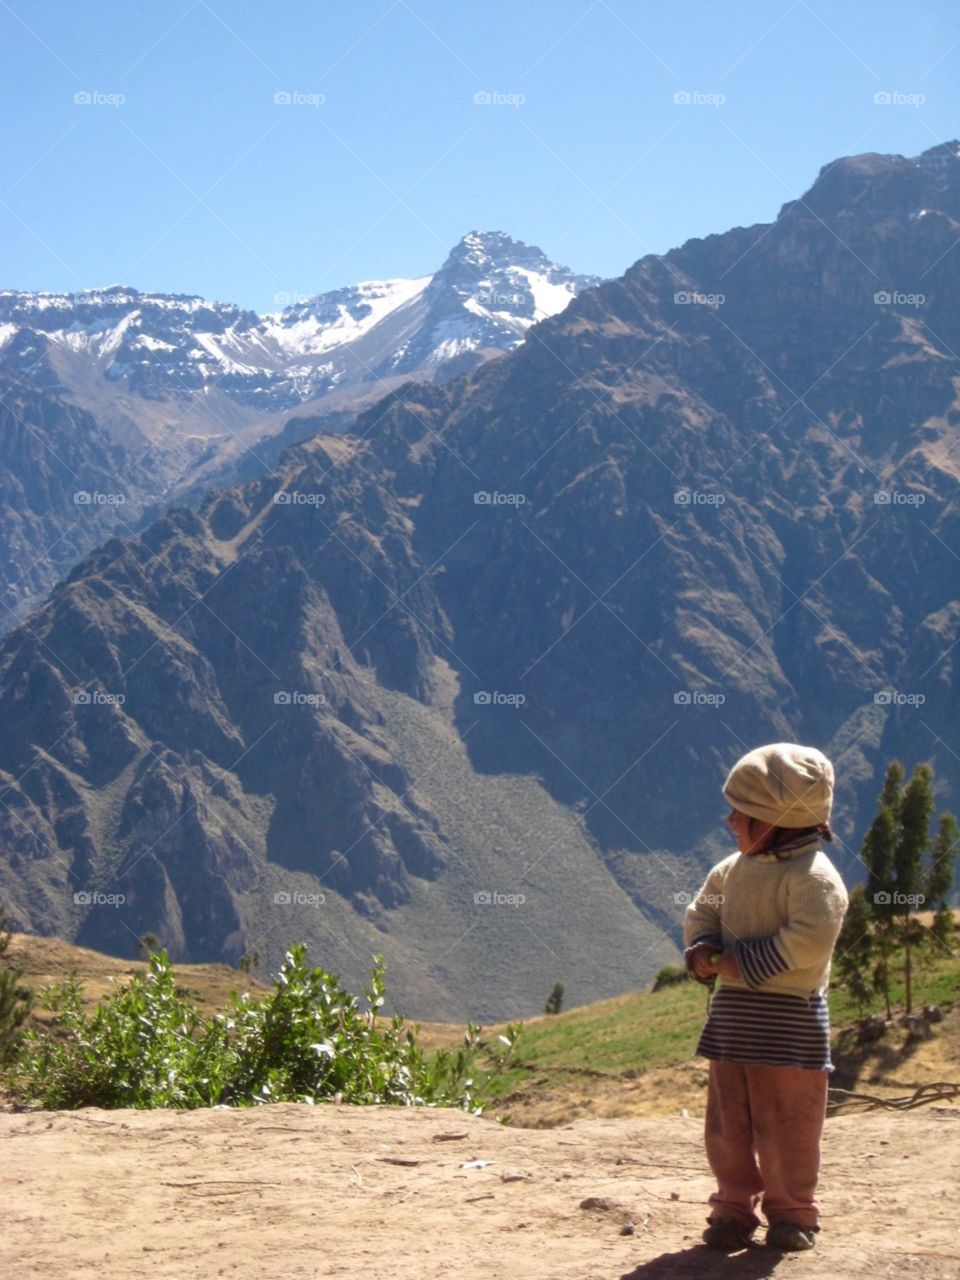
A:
[702,1263]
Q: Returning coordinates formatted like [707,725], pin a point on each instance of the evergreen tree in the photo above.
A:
[891,797]
[249,961]
[916,810]
[939,879]
[149,943]
[16,1000]
[879,855]
[857,949]
[555,999]
[900,880]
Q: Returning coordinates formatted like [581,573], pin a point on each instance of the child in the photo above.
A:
[765,922]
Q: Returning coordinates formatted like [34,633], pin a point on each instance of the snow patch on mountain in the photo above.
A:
[549,298]
[331,321]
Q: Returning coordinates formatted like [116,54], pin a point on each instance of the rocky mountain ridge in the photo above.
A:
[185,394]
[467,679]
[484,297]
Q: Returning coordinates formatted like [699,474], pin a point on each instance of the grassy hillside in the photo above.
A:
[633,1055]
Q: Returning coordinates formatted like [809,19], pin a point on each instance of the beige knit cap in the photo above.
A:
[783,784]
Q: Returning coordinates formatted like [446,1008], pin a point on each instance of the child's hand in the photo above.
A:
[698,959]
[727,966]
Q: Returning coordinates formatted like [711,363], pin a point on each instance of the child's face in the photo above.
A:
[749,833]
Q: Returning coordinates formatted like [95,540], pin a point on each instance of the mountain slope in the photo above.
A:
[712,503]
[65,486]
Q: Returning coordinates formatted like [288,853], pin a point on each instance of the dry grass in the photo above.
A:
[49,960]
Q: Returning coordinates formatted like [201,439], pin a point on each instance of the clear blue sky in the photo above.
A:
[198,182]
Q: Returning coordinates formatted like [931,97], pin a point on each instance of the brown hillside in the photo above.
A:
[48,960]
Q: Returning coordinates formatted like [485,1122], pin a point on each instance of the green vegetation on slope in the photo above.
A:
[645,1030]
[145,1045]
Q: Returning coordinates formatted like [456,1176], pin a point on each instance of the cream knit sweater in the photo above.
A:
[781,916]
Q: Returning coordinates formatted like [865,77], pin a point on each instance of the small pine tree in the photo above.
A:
[939,879]
[856,951]
[249,961]
[16,1000]
[879,856]
[891,796]
[899,878]
[916,811]
[149,944]
[555,999]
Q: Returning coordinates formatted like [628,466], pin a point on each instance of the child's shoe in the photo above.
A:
[790,1237]
[727,1234]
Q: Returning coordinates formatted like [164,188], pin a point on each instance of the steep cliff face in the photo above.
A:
[713,503]
[189,647]
[65,485]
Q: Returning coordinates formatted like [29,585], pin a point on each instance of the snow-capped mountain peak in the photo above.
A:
[489,290]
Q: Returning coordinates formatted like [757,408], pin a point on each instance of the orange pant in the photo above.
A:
[762,1133]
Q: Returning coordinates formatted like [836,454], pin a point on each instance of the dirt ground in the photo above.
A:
[290,1192]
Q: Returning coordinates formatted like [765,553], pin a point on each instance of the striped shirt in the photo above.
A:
[766,1028]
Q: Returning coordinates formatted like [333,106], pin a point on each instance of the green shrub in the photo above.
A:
[308,1041]
[554,999]
[669,976]
[143,1046]
[15,1000]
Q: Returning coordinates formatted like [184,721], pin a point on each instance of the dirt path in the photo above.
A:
[290,1192]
